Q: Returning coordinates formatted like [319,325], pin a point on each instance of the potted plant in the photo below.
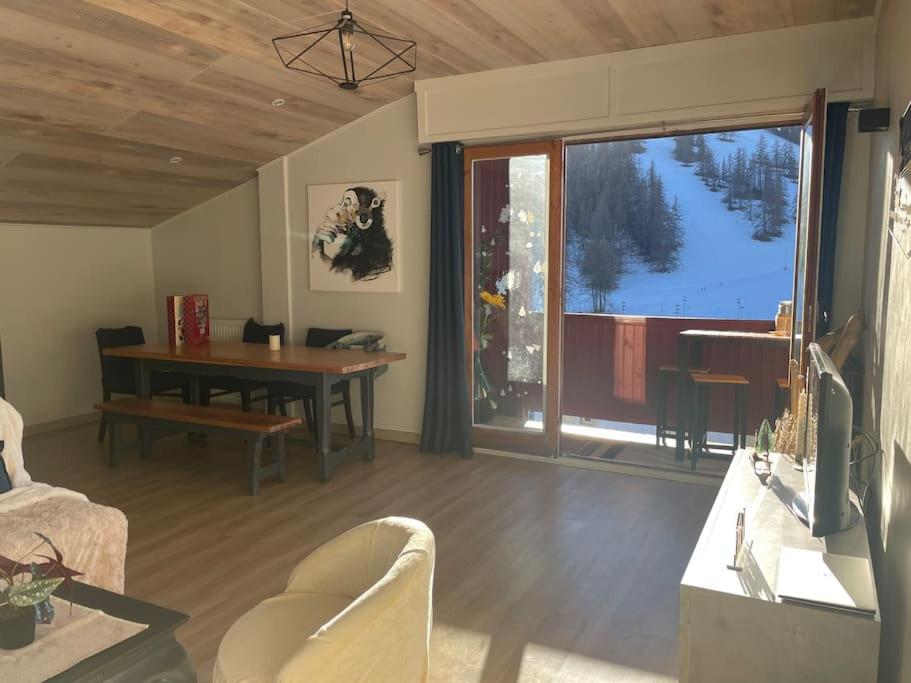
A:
[25,591]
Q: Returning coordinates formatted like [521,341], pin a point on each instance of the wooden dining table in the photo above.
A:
[686,340]
[316,367]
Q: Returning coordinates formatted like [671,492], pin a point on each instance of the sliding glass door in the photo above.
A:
[512,245]
[658,234]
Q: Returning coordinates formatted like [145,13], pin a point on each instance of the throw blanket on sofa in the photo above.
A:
[92,538]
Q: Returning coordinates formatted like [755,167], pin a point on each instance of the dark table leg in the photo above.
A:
[683,397]
[143,379]
[194,390]
[324,426]
[143,390]
[255,462]
[196,400]
[367,414]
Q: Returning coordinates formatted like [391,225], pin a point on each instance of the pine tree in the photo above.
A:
[790,162]
[758,164]
[740,177]
[668,239]
[772,209]
[683,149]
[601,269]
[728,179]
[778,156]
[700,147]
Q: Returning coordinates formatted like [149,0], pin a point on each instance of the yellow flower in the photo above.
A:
[495,300]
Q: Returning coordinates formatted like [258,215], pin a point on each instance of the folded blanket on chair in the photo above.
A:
[368,341]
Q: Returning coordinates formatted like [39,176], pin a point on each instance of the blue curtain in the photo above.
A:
[447,418]
[836,124]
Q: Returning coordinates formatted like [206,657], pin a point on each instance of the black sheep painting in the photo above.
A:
[351,236]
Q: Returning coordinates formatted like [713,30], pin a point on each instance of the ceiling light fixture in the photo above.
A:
[278,102]
[175,160]
[295,49]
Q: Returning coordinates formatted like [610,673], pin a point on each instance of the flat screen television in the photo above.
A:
[824,505]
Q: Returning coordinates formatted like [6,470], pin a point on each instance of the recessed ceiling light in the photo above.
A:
[278,102]
[175,160]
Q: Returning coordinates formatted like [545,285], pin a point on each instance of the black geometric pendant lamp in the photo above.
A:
[331,51]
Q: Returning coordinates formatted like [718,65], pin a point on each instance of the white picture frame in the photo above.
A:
[353,231]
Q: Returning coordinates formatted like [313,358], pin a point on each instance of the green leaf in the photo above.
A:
[33,592]
[50,543]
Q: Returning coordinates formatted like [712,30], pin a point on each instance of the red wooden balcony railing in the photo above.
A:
[610,367]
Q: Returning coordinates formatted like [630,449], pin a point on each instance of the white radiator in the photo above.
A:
[225,329]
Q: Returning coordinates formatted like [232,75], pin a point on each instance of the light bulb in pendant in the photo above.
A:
[347,38]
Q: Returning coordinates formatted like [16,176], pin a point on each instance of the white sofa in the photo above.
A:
[92,538]
[356,609]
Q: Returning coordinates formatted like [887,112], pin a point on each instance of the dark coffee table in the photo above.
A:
[152,656]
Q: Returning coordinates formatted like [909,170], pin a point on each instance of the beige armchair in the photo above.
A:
[356,609]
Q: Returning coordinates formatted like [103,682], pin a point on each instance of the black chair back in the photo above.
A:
[322,337]
[118,375]
[255,333]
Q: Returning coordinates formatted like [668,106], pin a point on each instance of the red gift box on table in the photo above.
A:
[196,318]
[188,319]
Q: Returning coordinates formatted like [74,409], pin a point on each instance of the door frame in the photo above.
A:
[546,442]
[815,113]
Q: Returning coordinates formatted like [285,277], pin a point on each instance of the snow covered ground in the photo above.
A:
[722,271]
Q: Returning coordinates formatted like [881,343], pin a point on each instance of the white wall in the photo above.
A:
[380,146]
[57,286]
[212,249]
[770,72]
[887,354]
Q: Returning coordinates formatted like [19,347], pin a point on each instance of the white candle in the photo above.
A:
[275,342]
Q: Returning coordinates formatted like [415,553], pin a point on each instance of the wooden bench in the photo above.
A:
[254,428]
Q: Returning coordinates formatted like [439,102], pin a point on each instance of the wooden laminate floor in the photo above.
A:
[543,572]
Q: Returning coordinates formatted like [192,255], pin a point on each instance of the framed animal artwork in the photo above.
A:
[353,230]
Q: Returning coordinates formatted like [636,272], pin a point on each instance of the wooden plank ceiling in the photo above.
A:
[96,96]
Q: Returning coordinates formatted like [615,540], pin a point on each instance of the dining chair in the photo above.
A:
[223,385]
[283,393]
[118,375]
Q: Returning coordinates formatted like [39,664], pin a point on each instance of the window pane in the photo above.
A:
[691,226]
[509,223]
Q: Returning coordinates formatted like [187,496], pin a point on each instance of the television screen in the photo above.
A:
[825,504]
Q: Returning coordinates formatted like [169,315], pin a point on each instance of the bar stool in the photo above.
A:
[662,429]
[702,383]
[782,394]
